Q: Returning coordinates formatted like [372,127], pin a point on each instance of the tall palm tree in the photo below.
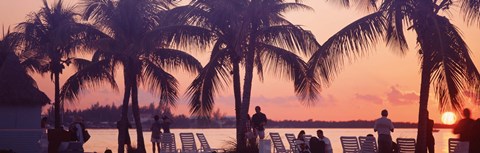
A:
[253,33]
[138,38]
[445,61]
[51,36]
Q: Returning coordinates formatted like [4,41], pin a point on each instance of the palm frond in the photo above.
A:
[159,82]
[290,37]
[170,59]
[470,10]
[214,77]
[286,64]
[350,42]
[397,13]
[453,73]
[90,76]
[180,36]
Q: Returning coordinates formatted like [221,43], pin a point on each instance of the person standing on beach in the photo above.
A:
[464,128]
[383,126]
[430,138]
[156,133]
[328,144]
[259,121]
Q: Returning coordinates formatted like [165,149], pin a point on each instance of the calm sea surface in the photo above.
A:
[219,138]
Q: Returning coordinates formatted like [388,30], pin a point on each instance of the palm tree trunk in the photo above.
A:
[123,135]
[136,115]
[58,123]
[421,146]
[424,9]
[247,85]
[241,142]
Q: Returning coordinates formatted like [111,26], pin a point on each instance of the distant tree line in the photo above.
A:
[106,116]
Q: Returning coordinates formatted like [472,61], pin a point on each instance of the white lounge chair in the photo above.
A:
[188,143]
[350,144]
[406,145]
[167,143]
[204,146]
[452,144]
[277,143]
[368,144]
[291,141]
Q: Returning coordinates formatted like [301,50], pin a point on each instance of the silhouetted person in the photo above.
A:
[430,138]
[166,124]
[464,128]
[326,141]
[475,146]
[383,126]
[301,141]
[259,121]
[76,130]
[156,126]
[248,132]
[44,123]
[316,146]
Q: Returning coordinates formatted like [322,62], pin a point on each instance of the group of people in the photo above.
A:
[469,131]
[319,144]
[384,126]
[157,128]
[76,132]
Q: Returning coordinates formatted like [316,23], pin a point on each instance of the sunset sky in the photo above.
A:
[382,80]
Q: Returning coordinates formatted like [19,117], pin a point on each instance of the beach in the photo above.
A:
[218,138]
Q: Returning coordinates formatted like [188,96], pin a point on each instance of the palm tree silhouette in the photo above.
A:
[137,37]
[445,61]
[255,34]
[51,36]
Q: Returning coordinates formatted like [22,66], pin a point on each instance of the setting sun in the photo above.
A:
[449,118]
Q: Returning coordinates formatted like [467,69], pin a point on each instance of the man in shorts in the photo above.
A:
[259,121]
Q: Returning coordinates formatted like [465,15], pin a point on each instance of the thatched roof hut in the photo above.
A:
[17,88]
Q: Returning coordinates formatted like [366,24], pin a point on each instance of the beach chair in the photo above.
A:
[188,143]
[204,146]
[367,146]
[277,143]
[406,145]
[291,141]
[452,144]
[167,143]
[350,144]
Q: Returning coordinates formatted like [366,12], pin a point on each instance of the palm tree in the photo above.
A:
[445,61]
[51,36]
[138,38]
[250,33]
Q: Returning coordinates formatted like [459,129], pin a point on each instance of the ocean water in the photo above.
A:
[218,138]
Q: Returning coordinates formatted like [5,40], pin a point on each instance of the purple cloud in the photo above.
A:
[369,98]
[395,96]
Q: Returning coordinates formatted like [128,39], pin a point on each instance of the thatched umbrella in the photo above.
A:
[17,88]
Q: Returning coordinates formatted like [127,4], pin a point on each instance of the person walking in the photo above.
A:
[383,126]
[326,141]
[156,133]
[464,129]
[259,121]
